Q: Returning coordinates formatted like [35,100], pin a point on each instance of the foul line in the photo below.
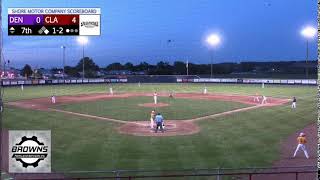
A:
[95,117]
[226,113]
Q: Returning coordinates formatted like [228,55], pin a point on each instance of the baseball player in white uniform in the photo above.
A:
[264,100]
[53,99]
[256,98]
[155,98]
[111,91]
[21,87]
[205,91]
[152,116]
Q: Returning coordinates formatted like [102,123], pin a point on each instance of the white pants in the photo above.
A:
[205,91]
[264,101]
[21,87]
[155,99]
[111,91]
[53,100]
[293,105]
[303,148]
[151,123]
[256,99]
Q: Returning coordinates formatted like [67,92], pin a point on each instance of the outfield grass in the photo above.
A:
[245,139]
[15,93]
[129,110]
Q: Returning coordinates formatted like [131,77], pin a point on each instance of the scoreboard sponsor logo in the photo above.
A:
[89,25]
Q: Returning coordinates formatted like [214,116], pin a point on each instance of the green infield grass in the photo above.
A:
[129,109]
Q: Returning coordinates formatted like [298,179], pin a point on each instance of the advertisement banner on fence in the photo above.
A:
[276,81]
[123,80]
[290,81]
[297,81]
[284,81]
[35,82]
[313,82]
[305,81]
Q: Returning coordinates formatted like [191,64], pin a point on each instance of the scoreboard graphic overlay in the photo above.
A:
[54,21]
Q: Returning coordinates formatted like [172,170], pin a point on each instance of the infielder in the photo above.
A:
[256,98]
[171,94]
[111,90]
[264,100]
[53,99]
[152,116]
[155,98]
[301,145]
[294,103]
[159,121]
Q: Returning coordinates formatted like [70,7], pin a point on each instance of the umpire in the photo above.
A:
[159,121]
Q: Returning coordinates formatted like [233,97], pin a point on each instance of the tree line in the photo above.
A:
[177,68]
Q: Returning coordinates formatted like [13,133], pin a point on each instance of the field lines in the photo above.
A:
[95,117]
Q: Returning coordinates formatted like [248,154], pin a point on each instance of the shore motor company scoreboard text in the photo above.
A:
[54,21]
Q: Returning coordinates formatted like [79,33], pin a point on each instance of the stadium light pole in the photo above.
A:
[213,40]
[82,40]
[309,33]
[63,59]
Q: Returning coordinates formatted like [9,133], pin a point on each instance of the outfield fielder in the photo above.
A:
[53,99]
[301,145]
[155,98]
[294,103]
[152,116]
[264,100]
[21,87]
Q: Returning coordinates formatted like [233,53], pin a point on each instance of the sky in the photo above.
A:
[139,30]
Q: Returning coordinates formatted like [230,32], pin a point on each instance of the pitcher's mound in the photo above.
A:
[172,128]
[154,105]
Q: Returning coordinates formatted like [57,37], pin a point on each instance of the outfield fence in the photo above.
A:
[158,79]
[274,173]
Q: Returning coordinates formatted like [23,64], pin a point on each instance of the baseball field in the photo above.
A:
[93,130]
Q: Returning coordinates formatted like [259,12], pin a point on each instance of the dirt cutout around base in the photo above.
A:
[154,105]
[142,128]
[171,128]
